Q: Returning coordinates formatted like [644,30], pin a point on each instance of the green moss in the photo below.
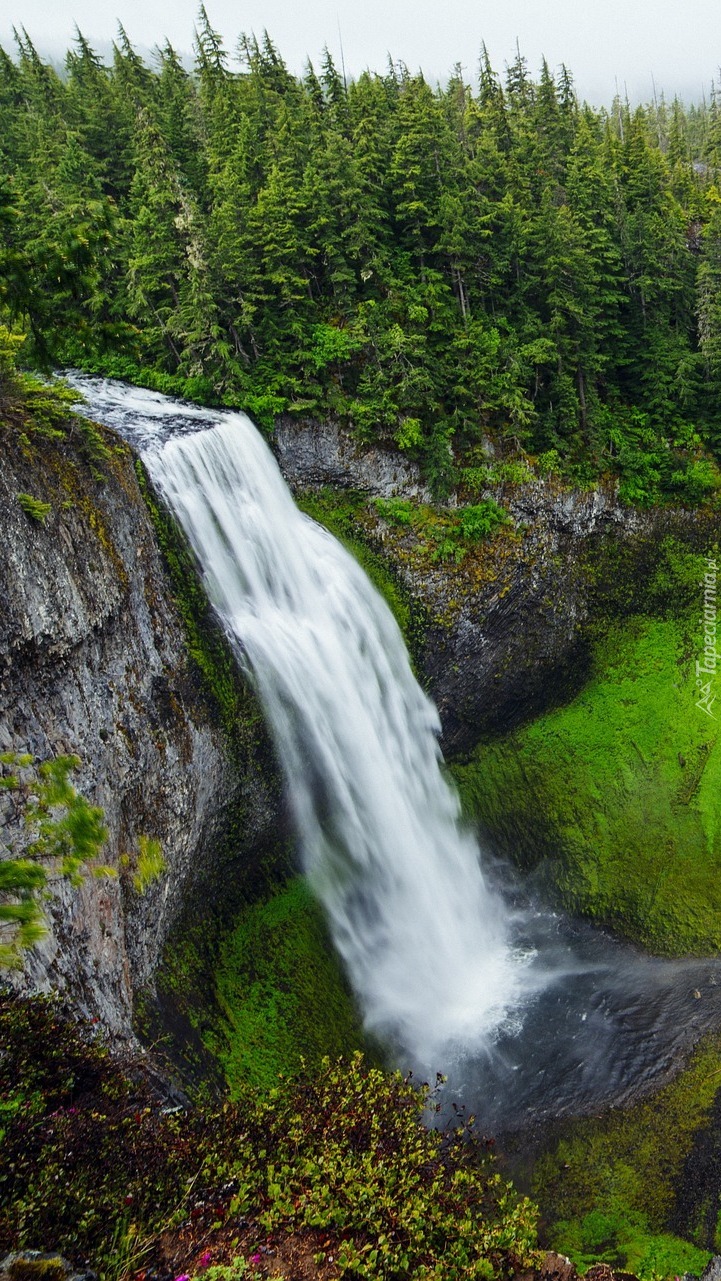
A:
[608,1189]
[617,794]
[282,992]
[48,1268]
[621,1239]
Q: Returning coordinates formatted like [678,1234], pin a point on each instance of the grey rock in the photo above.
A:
[712,1271]
[311,454]
[93,662]
[35,1265]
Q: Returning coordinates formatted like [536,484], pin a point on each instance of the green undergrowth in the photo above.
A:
[445,533]
[607,1191]
[614,798]
[195,388]
[282,992]
[93,1160]
[42,409]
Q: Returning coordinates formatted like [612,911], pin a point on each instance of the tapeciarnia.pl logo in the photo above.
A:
[706,670]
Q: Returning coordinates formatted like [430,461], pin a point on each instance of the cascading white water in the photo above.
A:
[425,940]
[423,937]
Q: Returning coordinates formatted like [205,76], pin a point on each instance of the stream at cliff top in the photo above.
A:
[527,1013]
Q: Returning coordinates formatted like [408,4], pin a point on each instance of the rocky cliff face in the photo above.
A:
[508,635]
[312,454]
[504,633]
[93,661]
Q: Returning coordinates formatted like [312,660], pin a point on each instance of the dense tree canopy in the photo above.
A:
[428,263]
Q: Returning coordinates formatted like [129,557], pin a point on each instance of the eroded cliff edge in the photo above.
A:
[94,661]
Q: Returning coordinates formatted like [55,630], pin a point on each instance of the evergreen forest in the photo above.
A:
[427,263]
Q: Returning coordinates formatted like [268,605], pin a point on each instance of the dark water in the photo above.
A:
[611,1025]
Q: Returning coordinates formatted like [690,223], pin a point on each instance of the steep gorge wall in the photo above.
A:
[505,632]
[94,662]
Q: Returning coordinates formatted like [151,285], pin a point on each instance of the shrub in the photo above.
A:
[697,481]
[92,1161]
[409,434]
[150,865]
[482,519]
[35,508]
[549,463]
[10,345]
[398,511]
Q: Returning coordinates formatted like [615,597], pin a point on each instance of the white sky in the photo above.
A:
[602,41]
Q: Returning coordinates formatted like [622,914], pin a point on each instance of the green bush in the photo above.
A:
[398,511]
[697,481]
[66,836]
[10,345]
[34,507]
[150,865]
[482,519]
[92,1161]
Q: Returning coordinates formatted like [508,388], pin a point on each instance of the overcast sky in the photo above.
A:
[604,42]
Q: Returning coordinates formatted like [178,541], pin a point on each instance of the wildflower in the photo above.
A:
[205,1258]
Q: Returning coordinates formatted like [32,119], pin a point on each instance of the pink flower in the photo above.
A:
[254,1258]
[183,1277]
[204,1260]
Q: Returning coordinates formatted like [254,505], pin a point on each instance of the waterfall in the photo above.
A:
[443,968]
[426,941]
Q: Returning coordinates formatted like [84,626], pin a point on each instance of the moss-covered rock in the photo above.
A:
[608,1187]
[282,991]
[615,797]
[95,664]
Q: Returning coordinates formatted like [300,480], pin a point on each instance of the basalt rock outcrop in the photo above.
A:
[504,628]
[94,662]
[312,454]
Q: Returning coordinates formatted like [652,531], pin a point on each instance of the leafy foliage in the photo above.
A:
[40,408]
[150,865]
[446,533]
[65,834]
[34,507]
[92,1159]
[479,521]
